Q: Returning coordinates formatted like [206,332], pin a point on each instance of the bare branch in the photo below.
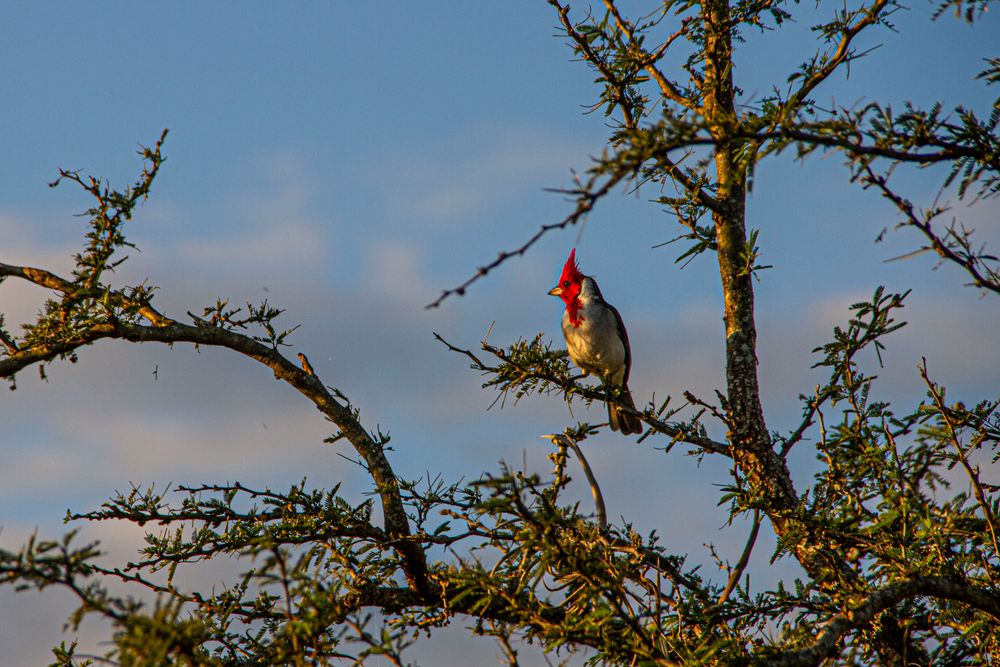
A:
[586,199]
[563,440]
[741,564]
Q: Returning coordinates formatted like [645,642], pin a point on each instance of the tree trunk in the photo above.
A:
[765,471]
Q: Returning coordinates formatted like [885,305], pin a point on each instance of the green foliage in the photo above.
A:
[896,534]
[527,367]
[86,303]
[222,316]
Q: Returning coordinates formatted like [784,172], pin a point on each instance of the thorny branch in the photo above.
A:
[609,588]
[949,416]
[571,388]
[955,246]
[586,197]
[91,312]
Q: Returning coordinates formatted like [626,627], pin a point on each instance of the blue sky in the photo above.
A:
[348,161]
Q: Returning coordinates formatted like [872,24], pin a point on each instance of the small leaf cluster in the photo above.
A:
[221,315]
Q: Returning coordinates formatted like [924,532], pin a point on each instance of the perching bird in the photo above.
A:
[596,339]
[306,366]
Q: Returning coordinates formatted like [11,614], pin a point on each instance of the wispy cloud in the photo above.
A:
[475,171]
[270,225]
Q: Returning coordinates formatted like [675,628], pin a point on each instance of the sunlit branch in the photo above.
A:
[169,331]
[570,387]
[843,54]
[563,440]
[741,564]
[586,198]
[620,87]
[648,60]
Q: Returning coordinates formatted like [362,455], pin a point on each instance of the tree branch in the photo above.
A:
[843,54]
[973,474]
[828,643]
[169,331]
[741,564]
[569,387]
[648,60]
[563,440]
[586,199]
[956,249]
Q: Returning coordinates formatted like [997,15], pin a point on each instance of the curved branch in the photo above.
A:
[843,54]
[741,564]
[954,246]
[563,440]
[169,331]
[648,60]
[620,87]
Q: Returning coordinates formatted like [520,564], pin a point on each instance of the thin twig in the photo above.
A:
[648,60]
[586,199]
[595,488]
[973,474]
[568,385]
[969,262]
[741,564]
[813,407]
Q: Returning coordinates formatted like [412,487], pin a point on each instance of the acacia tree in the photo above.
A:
[899,568]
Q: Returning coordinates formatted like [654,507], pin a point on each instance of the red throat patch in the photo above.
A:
[571,282]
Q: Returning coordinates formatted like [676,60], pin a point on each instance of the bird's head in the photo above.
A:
[570,282]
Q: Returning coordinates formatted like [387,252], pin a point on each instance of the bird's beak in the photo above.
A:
[556,291]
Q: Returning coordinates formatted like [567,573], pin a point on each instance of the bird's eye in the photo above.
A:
[565,283]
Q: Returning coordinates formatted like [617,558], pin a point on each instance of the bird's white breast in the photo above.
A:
[595,346]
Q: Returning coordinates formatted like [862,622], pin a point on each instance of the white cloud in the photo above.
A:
[396,271]
[270,226]
[477,170]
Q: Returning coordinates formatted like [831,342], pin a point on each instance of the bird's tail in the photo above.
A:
[621,420]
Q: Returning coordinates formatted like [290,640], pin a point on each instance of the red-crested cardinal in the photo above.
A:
[596,340]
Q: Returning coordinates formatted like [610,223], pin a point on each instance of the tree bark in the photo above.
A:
[752,449]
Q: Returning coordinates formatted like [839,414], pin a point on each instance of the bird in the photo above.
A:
[597,341]
[306,366]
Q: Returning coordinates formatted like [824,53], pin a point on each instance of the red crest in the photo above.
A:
[571,270]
